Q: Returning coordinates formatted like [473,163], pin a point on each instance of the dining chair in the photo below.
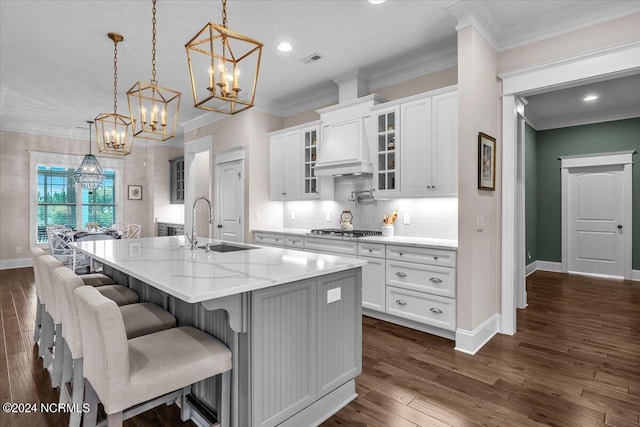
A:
[147,371]
[132,231]
[59,247]
[139,319]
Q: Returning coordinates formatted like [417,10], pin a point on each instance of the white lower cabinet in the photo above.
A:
[373,293]
[421,307]
[401,282]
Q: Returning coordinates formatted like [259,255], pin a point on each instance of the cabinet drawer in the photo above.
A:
[424,308]
[348,247]
[422,278]
[441,257]
[269,239]
[294,241]
[375,250]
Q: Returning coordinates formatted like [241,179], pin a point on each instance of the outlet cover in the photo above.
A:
[328,216]
[407,219]
[480,223]
[293,216]
[333,295]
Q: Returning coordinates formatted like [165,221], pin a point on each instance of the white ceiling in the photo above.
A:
[617,99]
[56,64]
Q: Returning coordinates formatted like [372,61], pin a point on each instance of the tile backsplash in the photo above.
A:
[429,217]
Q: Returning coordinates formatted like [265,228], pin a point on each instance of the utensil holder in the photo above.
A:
[388,230]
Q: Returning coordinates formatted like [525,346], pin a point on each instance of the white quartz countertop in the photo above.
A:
[195,276]
[393,240]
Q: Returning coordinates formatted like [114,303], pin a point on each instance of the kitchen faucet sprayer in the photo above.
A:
[193,239]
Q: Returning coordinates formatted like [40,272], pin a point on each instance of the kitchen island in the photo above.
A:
[292,320]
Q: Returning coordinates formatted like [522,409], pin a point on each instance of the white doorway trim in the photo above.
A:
[226,156]
[624,158]
[192,148]
[597,65]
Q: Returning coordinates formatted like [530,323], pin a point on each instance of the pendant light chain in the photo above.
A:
[153,48]
[115,76]
[224,13]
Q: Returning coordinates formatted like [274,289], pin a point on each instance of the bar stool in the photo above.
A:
[139,319]
[145,371]
[36,252]
[121,295]
[44,329]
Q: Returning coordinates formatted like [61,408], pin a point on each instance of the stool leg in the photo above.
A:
[114,420]
[58,356]
[185,408]
[225,400]
[90,418]
[38,324]
[78,393]
[67,371]
[46,340]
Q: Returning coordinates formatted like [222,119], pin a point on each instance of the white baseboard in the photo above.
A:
[471,341]
[6,264]
[635,275]
[549,266]
[530,268]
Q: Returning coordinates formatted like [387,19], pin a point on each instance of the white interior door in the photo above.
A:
[596,229]
[230,191]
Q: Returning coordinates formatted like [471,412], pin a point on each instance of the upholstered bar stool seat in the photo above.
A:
[96,279]
[119,294]
[126,373]
[139,319]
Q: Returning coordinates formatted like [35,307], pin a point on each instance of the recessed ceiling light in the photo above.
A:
[590,98]
[284,47]
[376,1]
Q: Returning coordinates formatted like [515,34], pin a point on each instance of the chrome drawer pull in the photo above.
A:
[435,310]
[400,302]
[435,280]
[401,274]
[435,257]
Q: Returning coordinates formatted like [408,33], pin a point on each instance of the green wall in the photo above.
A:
[588,139]
[531,196]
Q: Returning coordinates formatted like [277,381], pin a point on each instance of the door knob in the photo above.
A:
[219,225]
[619,227]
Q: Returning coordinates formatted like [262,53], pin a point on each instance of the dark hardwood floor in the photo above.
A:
[575,361]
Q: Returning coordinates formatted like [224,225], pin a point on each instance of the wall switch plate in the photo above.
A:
[407,219]
[258,215]
[293,216]
[333,295]
[328,216]
[480,223]
[18,249]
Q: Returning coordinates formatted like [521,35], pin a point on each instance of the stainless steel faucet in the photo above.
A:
[193,239]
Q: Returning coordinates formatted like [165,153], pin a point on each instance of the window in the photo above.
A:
[55,199]
[58,200]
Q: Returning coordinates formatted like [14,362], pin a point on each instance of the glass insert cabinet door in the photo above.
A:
[386,150]
[310,137]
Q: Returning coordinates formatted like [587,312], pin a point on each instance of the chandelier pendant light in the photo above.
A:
[153,109]
[224,67]
[89,174]
[114,131]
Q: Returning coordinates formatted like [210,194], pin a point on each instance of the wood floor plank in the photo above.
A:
[574,361]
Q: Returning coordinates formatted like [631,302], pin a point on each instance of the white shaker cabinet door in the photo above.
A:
[444,143]
[416,168]
[373,284]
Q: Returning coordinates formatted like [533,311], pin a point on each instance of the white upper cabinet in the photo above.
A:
[292,159]
[416,144]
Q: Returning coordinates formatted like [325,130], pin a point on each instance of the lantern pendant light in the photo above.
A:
[154,109]
[89,174]
[114,131]
[224,67]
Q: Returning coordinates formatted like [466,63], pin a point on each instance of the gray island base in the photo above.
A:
[293,321]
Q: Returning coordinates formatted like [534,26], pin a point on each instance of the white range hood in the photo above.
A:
[345,143]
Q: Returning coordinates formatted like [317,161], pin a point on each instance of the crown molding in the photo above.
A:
[203,120]
[413,67]
[312,101]
[475,14]
[563,21]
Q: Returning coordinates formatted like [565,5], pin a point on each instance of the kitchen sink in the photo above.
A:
[225,247]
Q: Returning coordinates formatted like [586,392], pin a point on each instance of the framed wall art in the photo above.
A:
[135,192]
[486,162]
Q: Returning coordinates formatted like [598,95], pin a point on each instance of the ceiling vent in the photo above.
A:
[311,58]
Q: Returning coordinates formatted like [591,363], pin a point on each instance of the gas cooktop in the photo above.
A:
[340,233]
